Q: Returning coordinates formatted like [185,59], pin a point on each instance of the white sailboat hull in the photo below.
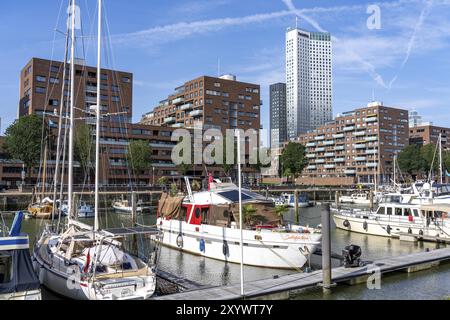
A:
[22,296]
[273,250]
[62,279]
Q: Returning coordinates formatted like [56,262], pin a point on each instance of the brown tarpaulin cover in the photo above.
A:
[170,207]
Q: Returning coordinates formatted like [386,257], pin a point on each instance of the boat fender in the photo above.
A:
[202,245]
[226,249]
[180,241]
[365,225]
[409,231]
[346,223]
[388,229]
[421,232]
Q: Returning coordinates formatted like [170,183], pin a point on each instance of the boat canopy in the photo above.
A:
[21,276]
[170,207]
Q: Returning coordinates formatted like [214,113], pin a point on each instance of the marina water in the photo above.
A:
[429,284]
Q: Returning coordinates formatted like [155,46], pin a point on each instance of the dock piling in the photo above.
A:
[297,216]
[133,208]
[326,250]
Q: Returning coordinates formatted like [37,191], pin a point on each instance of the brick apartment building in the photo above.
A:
[211,103]
[427,133]
[356,146]
[41,86]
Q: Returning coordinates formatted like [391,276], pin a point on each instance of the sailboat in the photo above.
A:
[83,262]
[42,207]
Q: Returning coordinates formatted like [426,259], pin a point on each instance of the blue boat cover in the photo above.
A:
[16,225]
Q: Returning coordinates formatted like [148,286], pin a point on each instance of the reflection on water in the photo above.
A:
[431,284]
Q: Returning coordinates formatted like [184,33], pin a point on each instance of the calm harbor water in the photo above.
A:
[430,284]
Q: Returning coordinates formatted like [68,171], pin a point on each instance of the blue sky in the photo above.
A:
[406,63]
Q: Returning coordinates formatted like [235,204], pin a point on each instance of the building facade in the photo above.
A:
[358,147]
[278,115]
[429,134]
[309,80]
[209,103]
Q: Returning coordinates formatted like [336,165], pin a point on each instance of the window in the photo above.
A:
[41,79]
[54,80]
[53,102]
[126,80]
[104,76]
[398,211]
[115,88]
[54,69]
[217,85]
[115,99]
[40,90]
[389,211]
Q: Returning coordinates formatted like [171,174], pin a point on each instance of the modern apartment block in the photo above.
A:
[309,80]
[427,133]
[278,115]
[358,147]
[41,88]
[208,102]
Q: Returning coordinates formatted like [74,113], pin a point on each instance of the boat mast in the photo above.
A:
[60,118]
[440,159]
[240,208]
[98,110]
[395,171]
[71,121]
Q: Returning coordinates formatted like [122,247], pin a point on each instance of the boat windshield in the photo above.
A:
[233,195]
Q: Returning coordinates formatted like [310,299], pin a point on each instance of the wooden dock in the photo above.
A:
[283,287]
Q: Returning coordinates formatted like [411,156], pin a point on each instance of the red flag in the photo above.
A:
[88,262]
[210,180]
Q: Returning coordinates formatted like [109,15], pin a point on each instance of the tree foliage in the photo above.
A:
[418,160]
[139,156]
[293,160]
[23,140]
[84,148]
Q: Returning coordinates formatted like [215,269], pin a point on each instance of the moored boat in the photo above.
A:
[17,278]
[207,223]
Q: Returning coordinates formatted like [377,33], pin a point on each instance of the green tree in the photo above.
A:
[84,148]
[281,210]
[428,153]
[248,213]
[410,160]
[293,160]
[163,181]
[23,141]
[139,156]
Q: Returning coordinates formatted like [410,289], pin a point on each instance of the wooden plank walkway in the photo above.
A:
[290,283]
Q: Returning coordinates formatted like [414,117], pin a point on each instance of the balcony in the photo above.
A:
[338,136]
[340,160]
[328,143]
[178,101]
[371,151]
[310,156]
[320,161]
[360,158]
[311,168]
[349,128]
[329,154]
[91,88]
[186,107]
[311,144]
[360,146]
[359,133]
[372,119]
[372,138]
[320,149]
[372,165]
[169,120]
[196,113]
[177,125]
[350,172]
[91,99]
[329,166]
[319,138]
[339,148]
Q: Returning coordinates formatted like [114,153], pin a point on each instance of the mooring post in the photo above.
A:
[326,250]
[336,199]
[133,208]
[297,216]
[371,199]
